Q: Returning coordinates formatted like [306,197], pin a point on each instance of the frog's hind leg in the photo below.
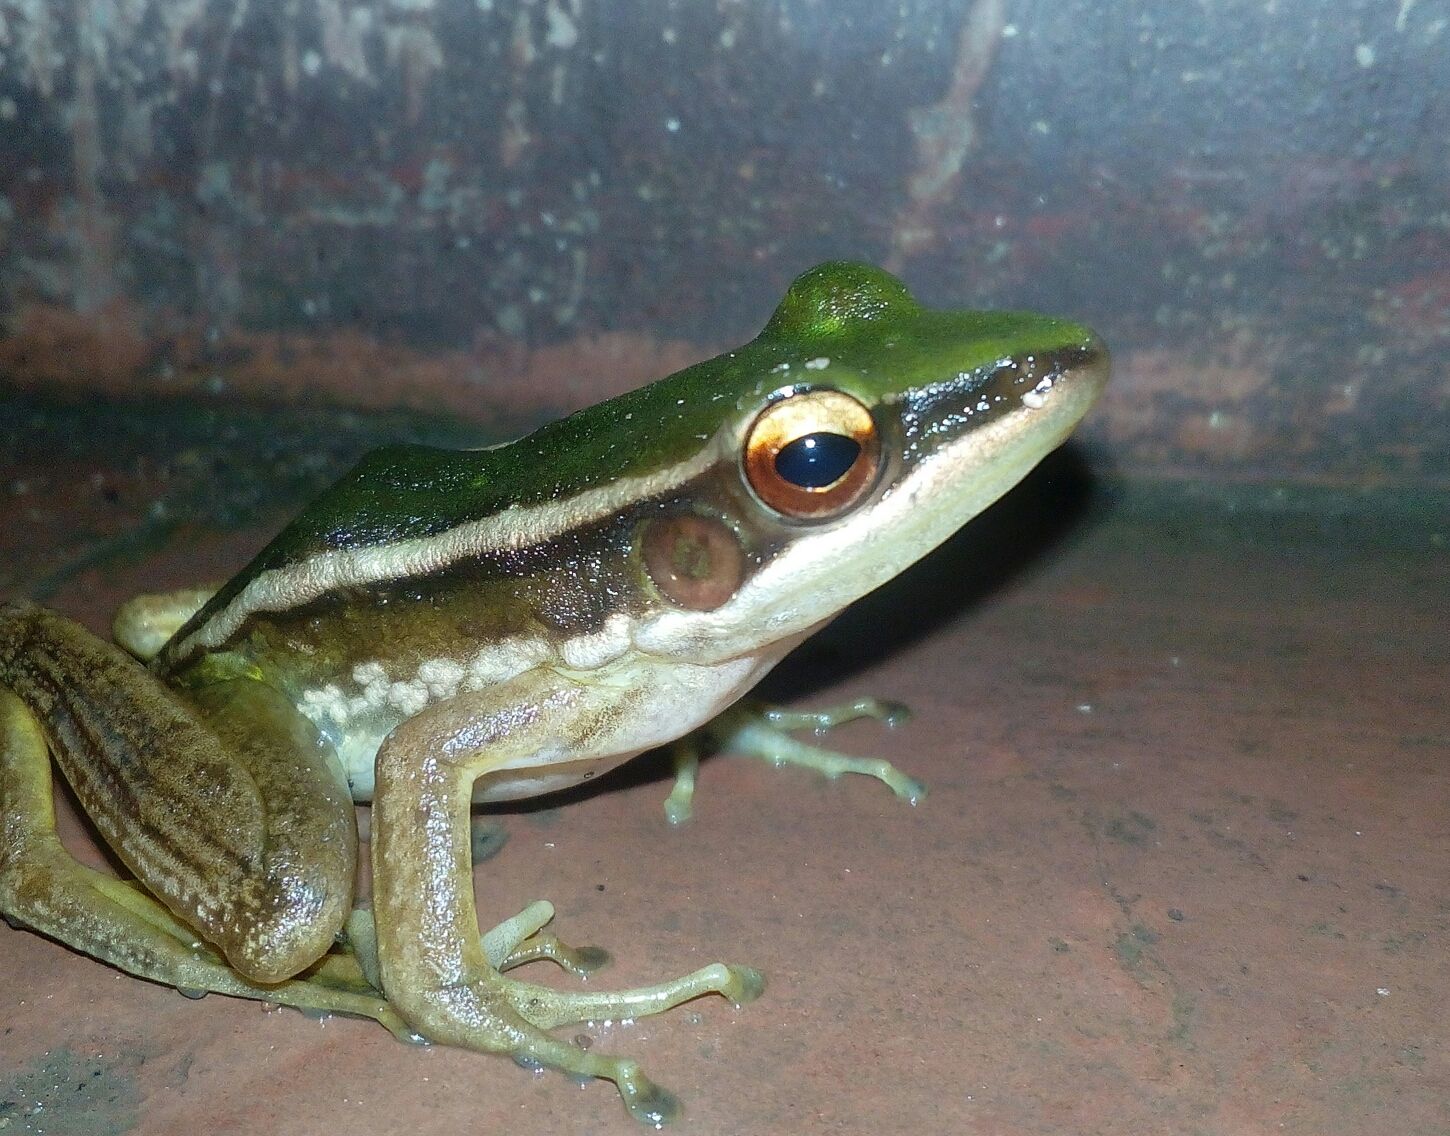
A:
[43,887]
[755,729]
[221,801]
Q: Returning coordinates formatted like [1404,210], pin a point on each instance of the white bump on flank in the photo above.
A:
[499,662]
[820,363]
[589,652]
[408,697]
[441,676]
[325,706]
[374,702]
[357,716]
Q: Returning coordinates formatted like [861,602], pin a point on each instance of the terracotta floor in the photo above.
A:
[1184,868]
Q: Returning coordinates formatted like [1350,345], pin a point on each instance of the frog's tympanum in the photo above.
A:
[448,627]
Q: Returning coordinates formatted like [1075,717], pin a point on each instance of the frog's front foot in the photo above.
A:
[546,1008]
[521,940]
[492,1012]
[756,729]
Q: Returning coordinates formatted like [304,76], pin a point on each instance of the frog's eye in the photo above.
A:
[812,454]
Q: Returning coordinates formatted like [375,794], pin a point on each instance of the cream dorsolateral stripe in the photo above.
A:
[280,589]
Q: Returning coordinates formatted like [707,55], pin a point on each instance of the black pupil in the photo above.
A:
[814,461]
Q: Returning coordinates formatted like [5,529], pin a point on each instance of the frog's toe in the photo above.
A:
[547,1008]
[749,985]
[890,713]
[648,1102]
[521,939]
[884,710]
[581,962]
[587,960]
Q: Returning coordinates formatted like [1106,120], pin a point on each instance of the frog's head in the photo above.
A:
[856,433]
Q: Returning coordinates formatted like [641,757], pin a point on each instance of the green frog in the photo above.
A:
[443,628]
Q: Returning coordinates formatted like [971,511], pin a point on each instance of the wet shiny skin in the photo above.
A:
[444,627]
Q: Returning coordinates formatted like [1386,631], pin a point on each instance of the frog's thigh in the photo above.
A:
[433,965]
[226,807]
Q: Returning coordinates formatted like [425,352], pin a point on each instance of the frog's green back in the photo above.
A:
[843,325]
[860,313]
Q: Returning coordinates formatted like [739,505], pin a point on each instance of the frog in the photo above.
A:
[450,627]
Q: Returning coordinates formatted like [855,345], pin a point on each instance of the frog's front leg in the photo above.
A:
[434,966]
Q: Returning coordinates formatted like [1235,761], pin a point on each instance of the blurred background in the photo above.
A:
[242,241]
[491,211]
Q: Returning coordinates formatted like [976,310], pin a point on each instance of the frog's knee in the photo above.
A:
[289,930]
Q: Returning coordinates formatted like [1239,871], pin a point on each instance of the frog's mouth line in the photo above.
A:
[932,496]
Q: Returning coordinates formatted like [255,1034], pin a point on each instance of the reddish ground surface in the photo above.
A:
[1184,868]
